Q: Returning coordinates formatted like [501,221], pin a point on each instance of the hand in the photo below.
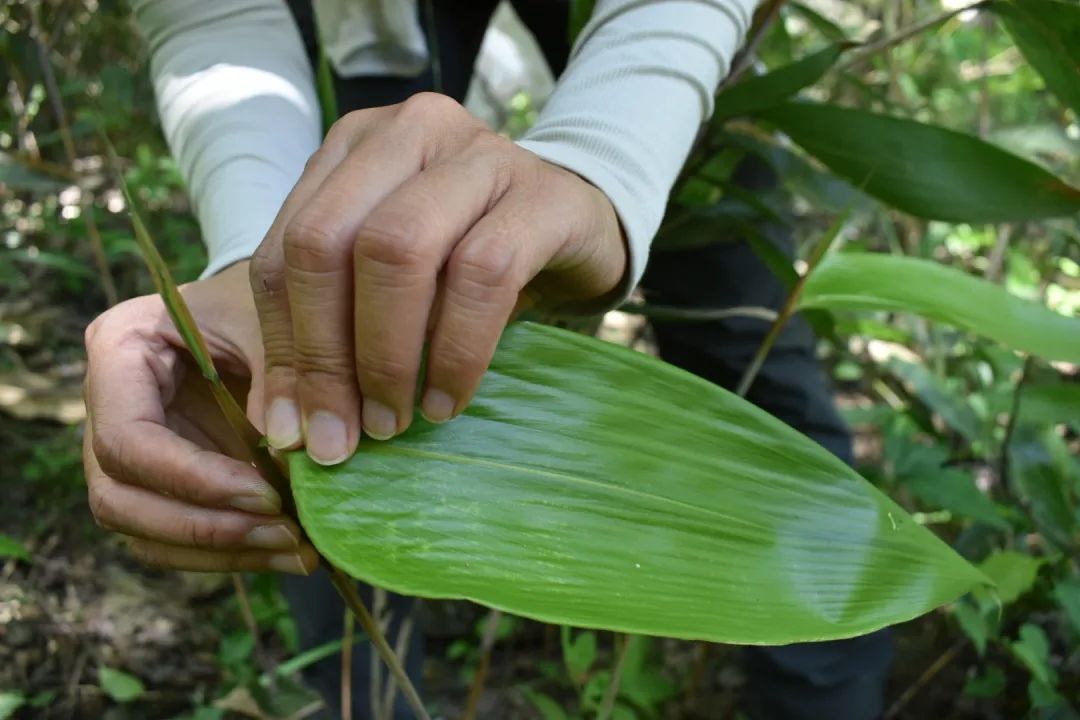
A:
[160,459]
[411,223]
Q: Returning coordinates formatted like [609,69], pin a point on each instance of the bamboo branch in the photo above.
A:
[906,34]
[86,207]
[346,665]
[612,692]
[252,439]
[790,305]
[487,642]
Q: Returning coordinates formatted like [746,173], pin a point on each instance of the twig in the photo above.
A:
[73,683]
[935,667]
[346,666]
[97,245]
[790,305]
[905,34]
[487,642]
[250,437]
[375,680]
[250,623]
[401,648]
[612,692]
[347,587]
[762,20]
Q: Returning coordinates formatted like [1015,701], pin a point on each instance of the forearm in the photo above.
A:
[238,108]
[638,87]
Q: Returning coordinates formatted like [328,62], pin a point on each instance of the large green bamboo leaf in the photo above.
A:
[922,169]
[1048,34]
[594,486]
[776,86]
[868,281]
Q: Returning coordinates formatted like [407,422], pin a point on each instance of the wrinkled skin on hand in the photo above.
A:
[414,224]
[162,466]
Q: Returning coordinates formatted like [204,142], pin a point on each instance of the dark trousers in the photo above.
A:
[840,680]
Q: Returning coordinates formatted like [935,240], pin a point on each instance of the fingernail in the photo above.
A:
[267,502]
[380,422]
[327,438]
[437,406]
[272,537]
[288,564]
[283,424]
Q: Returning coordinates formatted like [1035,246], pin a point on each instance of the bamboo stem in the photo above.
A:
[86,207]
[487,642]
[612,692]
[259,454]
[346,665]
[347,587]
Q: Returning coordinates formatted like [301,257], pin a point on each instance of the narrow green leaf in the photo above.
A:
[12,548]
[1012,572]
[867,281]
[955,491]
[10,701]
[973,622]
[829,29]
[548,708]
[593,486]
[1040,480]
[939,396]
[1048,34]
[1067,595]
[774,87]
[928,171]
[119,685]
[1050,403]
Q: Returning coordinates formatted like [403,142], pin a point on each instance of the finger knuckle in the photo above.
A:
[97,496]
[460,359]
[201,531]
[429,105]
[310,245]
[384,371]
[396,241]
[325,369]
[482,272]
[265,272]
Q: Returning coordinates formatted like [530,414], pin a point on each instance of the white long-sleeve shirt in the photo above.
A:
[237,100]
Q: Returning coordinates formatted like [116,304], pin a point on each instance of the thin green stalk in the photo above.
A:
[252,439]
[346,664]
[487,642]
[674,313]
[790,304]
[612,692]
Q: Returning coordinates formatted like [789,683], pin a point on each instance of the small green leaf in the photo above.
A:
[10,701]
[1033,650]
[774,87]
[1048,34]
[585,477]
[12,548]
[1012,572]
[578,653]
[936,393]
[870,281]
[549,709]
[924,170]
[829,29]
[988,685]
[119,685]
[1050,403]
[1067,595]
[1041,481]
[973,622]
[955,491]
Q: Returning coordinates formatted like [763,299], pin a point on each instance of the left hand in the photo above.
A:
[413,222]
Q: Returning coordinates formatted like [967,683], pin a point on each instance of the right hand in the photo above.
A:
[161,461]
